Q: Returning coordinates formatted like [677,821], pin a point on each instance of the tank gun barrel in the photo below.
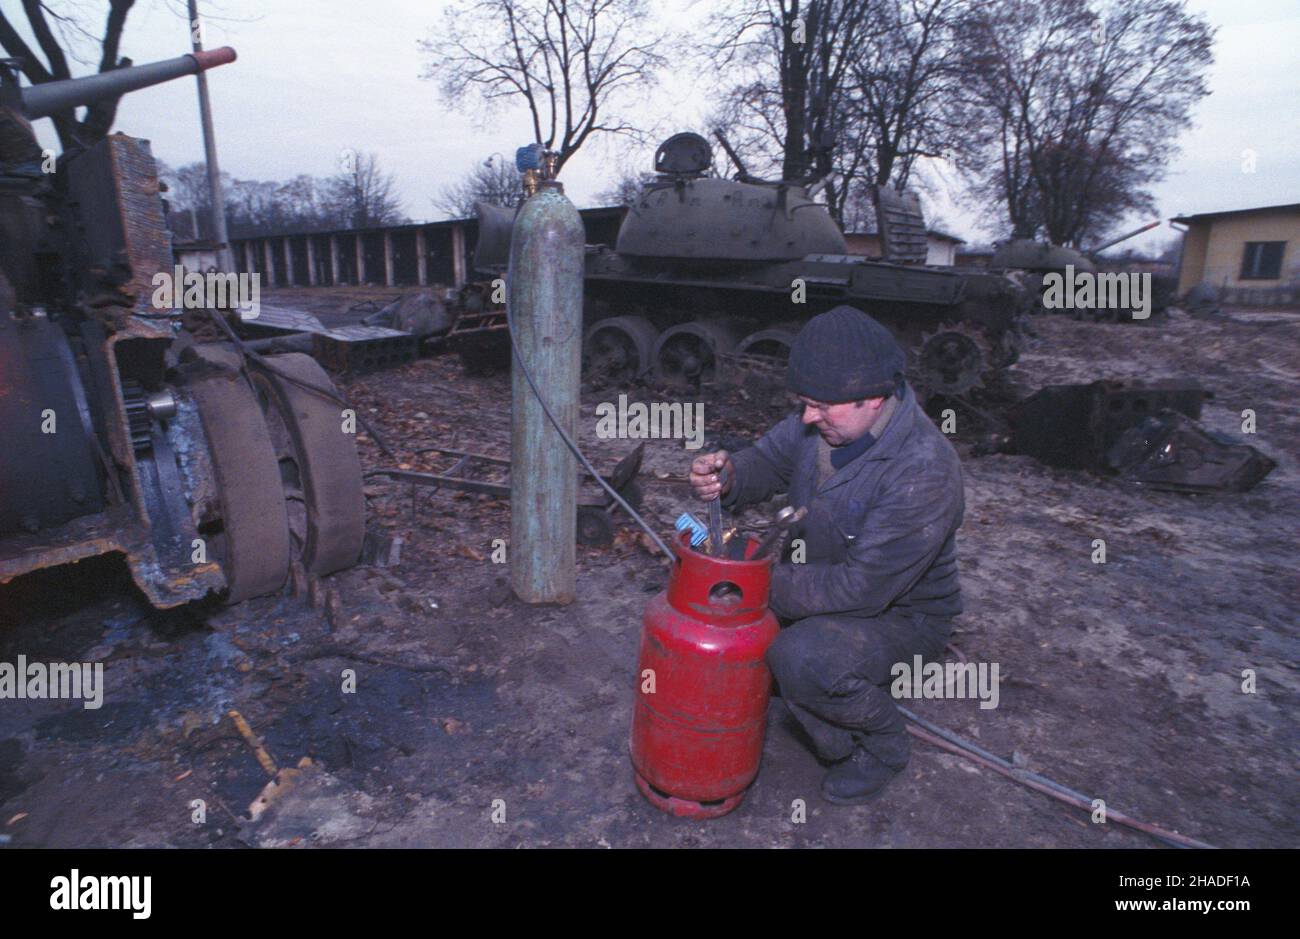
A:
[51,97]
[744,176]
[1124,237]
[731,153]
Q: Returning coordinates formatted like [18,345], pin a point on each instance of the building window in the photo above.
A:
[1262,260]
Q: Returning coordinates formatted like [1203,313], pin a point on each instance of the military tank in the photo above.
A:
[214,473]
[1030,262]
[710,274]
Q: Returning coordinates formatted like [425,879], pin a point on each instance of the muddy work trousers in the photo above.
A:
[834,673]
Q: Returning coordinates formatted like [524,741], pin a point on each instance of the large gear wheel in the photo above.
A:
[319,469]
[952,360]
[253,544]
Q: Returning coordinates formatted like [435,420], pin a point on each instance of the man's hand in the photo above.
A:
[705,473]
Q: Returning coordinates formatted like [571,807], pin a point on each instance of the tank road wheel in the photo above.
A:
[952,360]
[253,544]
[319,472]
[618,349]
[690,353]
[767,350]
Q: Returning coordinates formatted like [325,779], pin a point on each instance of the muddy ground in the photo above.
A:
[1122,680]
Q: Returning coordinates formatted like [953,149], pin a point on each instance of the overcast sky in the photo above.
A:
[315,78]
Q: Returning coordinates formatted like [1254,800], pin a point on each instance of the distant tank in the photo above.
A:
[709,274]
[1040,257]
[1031,261]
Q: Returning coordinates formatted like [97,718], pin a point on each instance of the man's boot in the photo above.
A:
[858,779]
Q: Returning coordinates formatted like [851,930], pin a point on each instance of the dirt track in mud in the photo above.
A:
[1122,680]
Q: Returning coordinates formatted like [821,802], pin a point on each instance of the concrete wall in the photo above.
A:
[1213,248]
[398,256]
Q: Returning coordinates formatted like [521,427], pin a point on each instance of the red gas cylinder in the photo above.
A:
[702,684]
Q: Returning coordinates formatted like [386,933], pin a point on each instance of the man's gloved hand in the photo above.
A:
[705,473]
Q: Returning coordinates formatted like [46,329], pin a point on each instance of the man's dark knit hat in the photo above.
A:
[844,355]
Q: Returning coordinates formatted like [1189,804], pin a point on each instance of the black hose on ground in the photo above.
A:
[947,740]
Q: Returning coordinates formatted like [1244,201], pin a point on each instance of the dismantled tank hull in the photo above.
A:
[1144,432]
[708,274]
[210,472]
[1074,426]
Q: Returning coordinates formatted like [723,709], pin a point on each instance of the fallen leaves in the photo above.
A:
[627,539]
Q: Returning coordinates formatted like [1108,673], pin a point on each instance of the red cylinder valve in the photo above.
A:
[702,684]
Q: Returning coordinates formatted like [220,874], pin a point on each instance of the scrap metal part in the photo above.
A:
[120,438]
[363,348]
[48,470]
[251,535]
[319,467]
[1145,432]
[1073,426]
[1170,451]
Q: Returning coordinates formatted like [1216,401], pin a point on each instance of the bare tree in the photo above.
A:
[363,198]
[905,99]
[624,190]
[494,180]
[363,195]
[51,30]
[572,62]
[1083,105]
[853,90]
[795,56]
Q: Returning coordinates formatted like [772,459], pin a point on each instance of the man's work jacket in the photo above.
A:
[880,531]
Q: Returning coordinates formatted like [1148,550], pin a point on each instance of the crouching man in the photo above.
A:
[871,577]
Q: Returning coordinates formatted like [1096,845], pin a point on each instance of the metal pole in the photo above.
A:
[224,260]
[544,299]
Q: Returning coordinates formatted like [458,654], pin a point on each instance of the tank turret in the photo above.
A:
[684,214]
[1039,256]
[727,220]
